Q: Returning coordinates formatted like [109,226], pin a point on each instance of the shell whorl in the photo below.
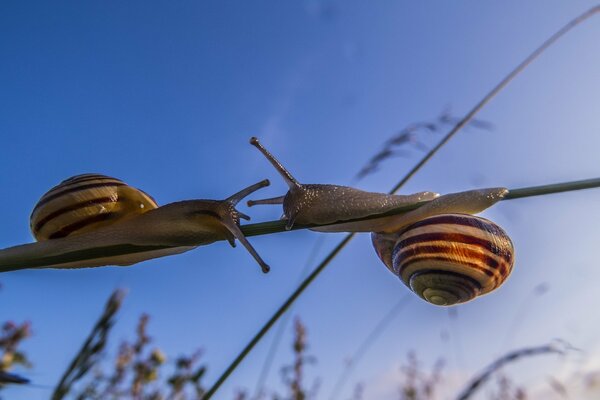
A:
[85,202]
[449,258]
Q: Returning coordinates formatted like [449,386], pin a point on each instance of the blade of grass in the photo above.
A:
[570,25]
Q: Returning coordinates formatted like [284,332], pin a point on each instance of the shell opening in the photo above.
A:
[444,288]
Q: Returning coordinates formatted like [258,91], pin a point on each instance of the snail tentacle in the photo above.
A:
[237,197]
[244,216]
[272,200]
[289,179]
[237,233]
[230,218]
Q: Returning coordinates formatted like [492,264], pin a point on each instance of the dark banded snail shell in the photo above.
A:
[449,258]
[86,202]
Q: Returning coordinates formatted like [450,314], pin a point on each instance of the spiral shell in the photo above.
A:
[448,259]
[86,202]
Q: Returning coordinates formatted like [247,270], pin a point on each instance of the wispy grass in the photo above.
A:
[409,138]
[416,384]
[484,376]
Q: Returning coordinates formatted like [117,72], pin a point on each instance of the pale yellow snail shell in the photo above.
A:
[86,202]
[448,259]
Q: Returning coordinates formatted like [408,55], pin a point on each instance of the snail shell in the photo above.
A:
[449,258]
[84,203]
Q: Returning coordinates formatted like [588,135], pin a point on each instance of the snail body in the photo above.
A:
[92,220]
[321,204]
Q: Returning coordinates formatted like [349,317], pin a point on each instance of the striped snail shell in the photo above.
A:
[448,259]
[86,202]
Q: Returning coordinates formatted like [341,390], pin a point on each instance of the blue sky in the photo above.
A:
[165,96]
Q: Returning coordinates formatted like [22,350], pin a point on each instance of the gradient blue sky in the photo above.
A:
[165,96]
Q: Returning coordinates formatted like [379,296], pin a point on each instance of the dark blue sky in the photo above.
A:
[165,96]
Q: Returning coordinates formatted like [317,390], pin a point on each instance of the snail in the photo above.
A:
[439,250]
[93,220]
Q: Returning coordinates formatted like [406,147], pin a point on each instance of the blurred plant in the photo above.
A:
[136,370]
[417,385]
[507,390]
[557,387]
[485,375]
[186,373]
[92,348]
[11,336]
[293,375]
[136,373]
